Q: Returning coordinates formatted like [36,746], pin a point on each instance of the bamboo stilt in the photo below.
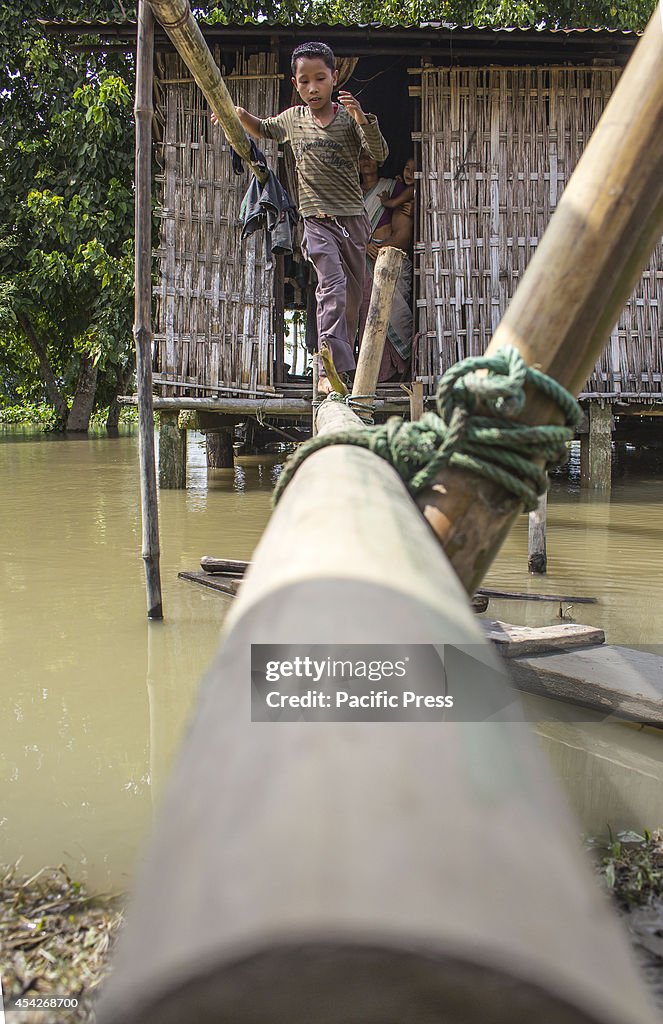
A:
[608,220]
[176,18]
[143,308]
[387,268]
[416,396]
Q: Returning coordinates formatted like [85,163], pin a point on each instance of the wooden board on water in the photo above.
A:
[522,595]
[223,585]
[223,566]
[231,566]
[612,680]
[513,641]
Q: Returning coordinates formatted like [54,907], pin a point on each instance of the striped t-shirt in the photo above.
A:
[327,159]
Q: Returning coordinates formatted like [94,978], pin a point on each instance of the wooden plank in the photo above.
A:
[221,584]
[515,641]
[228,568]
[278,406]
[223,566]
[610,679]
[521,595]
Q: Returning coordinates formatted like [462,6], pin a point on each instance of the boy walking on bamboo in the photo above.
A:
[326,139]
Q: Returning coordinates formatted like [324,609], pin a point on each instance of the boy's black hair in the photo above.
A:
[313,50]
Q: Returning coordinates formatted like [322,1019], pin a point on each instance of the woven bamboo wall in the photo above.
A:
[214,294]
[498,146]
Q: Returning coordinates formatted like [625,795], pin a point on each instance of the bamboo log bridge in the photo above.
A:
[320,872]
[303,872]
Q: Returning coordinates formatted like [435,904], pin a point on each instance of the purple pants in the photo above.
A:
[337,249]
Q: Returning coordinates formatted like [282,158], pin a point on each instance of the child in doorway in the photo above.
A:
[402,197]
[326,139]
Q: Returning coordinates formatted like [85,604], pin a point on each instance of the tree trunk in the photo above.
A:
[113,417]
[83,404]
[53,393]
[114,409]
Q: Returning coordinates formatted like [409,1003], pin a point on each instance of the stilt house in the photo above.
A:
[496,119]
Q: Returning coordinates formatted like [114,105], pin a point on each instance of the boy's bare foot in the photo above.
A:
[324,385]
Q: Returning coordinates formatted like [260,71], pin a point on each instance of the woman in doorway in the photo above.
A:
[398,346]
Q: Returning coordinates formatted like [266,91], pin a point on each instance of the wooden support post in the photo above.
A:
[596,449]
[334,871]
[279,372]
[172,452]
[219,446]
[537,558]
[315,401]
[295,344]
[416,394]
[143,307]
[176,18]
[387,268]
[608,220]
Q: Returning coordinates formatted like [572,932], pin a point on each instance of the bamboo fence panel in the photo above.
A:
[498,147]
[214,296]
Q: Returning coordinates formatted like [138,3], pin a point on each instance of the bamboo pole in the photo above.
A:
[334,871]
[176,18]
[143,308]
[608,220]
[416,396]
[387,268]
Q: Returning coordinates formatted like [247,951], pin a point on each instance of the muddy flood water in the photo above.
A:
[93,698]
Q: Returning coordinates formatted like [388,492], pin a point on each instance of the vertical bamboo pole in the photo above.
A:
[387,268]
[143,307]
[600,237]
[416,400]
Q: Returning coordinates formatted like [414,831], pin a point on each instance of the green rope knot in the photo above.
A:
[474,429]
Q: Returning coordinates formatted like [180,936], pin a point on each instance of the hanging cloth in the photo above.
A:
[266,206]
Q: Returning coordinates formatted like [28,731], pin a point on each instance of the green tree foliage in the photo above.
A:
[66,209]
[632,14]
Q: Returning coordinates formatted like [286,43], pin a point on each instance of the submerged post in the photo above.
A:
[596,449]
[608,220]
[537,558]
[143,307]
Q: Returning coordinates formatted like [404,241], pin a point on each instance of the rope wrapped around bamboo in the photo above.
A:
[474,429]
